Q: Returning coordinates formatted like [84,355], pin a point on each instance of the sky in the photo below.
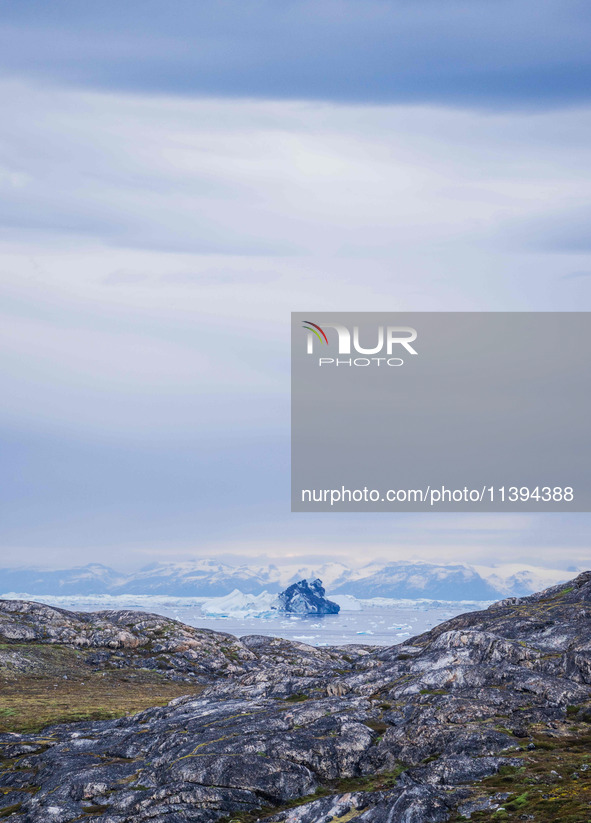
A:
[177,177]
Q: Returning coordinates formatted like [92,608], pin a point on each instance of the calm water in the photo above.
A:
[384,625]
[380,626]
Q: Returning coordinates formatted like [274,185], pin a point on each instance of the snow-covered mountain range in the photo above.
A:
[209,578]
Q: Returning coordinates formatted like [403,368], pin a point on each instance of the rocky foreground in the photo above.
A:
[486,716]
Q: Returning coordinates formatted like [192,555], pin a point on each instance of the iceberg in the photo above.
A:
[347,602]
[238,604]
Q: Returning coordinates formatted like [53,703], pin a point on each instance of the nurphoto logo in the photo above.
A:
[386,338]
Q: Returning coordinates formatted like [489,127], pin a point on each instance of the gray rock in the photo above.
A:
[404,734]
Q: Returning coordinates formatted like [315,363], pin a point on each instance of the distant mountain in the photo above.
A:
[206,578]
[518,581]
[209,578]
[417,580]
[92,579]
[332,574]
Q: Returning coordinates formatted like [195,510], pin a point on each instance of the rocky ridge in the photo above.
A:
[131,639]
[415,733]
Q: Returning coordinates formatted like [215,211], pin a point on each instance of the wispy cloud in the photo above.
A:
[280,179]
[175,178]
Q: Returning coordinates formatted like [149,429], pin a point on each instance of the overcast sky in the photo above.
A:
[177,177]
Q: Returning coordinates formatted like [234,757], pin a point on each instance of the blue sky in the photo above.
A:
[175,178]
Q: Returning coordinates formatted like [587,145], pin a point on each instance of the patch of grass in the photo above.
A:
[582,712]
[298,697]
[94,809]
[230,654]
[562,592]
[509,771]
[9,810]
[31,703]
[551,785]
[504,730]
[376,725]
[350,815]
[517,803]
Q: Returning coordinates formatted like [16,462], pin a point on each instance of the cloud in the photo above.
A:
[151,249]
[281,179]
[566,231]
[477,53]
[148,250]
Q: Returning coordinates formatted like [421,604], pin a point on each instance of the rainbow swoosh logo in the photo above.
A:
[309,326]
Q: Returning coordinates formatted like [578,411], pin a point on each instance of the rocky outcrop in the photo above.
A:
[306,597]
[131,639]
[415,733]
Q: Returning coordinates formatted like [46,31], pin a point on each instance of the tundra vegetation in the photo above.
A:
[121,717]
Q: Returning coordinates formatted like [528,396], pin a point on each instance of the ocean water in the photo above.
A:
[377,622]
[375,627]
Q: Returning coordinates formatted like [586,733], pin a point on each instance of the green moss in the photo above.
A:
[504,730]
[537,792]
[298,697]
[230,654]
[376,725]
[9,810]
[94,809]
[510,771]
[517,803]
